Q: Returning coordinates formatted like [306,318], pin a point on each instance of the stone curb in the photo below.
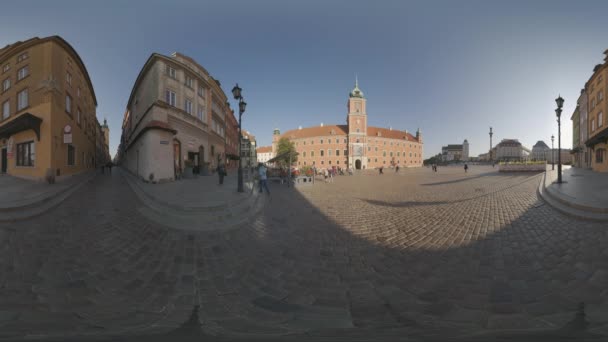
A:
[135,182]
[193,220]
[566,207]
[43,204]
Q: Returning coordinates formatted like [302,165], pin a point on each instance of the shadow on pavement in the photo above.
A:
[299,273]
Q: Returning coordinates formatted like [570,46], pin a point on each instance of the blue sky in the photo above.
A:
[452,68]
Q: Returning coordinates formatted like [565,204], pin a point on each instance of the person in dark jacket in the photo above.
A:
[221,172]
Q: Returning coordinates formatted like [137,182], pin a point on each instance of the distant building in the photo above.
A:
[354,145]
[264,154]
[567,156]
[455,152]
[540,151]
[248,150]
[511,150]
[584,152]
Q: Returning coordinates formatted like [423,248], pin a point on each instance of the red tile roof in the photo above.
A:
[343,130]
[388,133]
[264,149]
[316,131]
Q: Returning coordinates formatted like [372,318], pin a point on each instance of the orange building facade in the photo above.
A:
[354,145]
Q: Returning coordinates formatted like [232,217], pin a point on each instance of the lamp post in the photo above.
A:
[236,92]
[552,154]
[558,112]
[491,143]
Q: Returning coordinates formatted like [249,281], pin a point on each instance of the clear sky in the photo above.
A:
[452,68]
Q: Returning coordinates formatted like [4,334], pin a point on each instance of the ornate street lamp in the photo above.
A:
[236,92]
[491,143]
[558,112]
[552,154]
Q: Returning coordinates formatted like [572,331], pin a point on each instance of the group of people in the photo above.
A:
[434,167]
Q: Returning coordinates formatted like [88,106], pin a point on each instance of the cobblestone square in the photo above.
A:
[417,250]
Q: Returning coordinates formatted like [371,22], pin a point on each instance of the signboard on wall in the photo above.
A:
[67,134]
[9,147]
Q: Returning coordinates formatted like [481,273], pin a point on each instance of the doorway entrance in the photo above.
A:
[4,161]
[358,164]
[177,165]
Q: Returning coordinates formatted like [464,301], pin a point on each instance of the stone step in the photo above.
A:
[42,205]
[566,208]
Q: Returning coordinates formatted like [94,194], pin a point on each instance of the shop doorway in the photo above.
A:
[4,161]
[177,152]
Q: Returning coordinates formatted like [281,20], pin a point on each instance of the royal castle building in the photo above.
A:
[355,144]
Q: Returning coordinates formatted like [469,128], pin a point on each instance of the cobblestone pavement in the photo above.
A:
[442,252]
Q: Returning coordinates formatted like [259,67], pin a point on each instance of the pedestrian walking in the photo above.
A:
[331,175]
[109,165]
[397,169]
[221,172]
[380,171]
[325,174]
[466,167]
[263,178]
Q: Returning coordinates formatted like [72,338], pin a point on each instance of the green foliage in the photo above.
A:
[285,145]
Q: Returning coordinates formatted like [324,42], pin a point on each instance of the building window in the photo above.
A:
[322,153]
[189,82]
[6,68]
[321,141]
[6,84]
[304,154]
[322,162]
[22,100]
[345,140]
[68,103]
[384,153]
[369,160]
[600,96]
[599,155]
[22,73]
[71,155]
[312,153]
[337,141]
[68,78]
[345,152]
[170,97]
[22,57]
[358,130]
[26,154]
[337,153]
[600,119]
[6,109]
[592,125]
[171,72]
[201,113]
[78,92]
[188,106]
[201,91]
[78,116]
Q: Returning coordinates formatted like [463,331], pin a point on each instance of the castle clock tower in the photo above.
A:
[357,129]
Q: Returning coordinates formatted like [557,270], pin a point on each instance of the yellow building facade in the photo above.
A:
[596,121]
[48,123]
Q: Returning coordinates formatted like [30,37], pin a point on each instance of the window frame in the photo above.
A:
[8,101]
[27,72]
[22,154]
[170,97]
[4,84]
[68,103]
[27,99]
